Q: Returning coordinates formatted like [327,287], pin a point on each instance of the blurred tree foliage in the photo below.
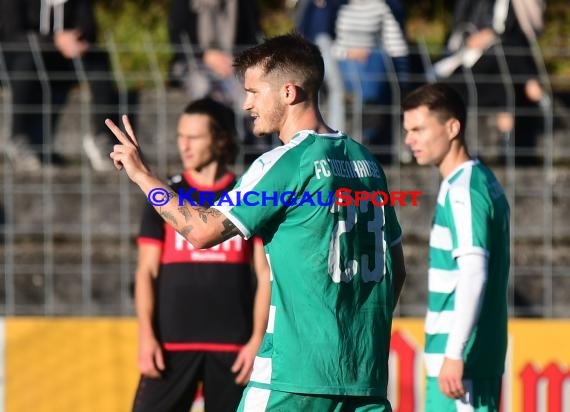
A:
[139,28]
[555,40]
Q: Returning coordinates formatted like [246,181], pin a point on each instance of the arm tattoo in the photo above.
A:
[203,216]
[168,216]
[185,231]
[185,212]
[203,213]
[230,230]
[172,194]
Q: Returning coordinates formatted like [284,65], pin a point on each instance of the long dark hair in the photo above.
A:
[222,127]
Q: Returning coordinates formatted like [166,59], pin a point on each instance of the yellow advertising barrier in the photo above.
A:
[70,365]
[537,370]
[89,364]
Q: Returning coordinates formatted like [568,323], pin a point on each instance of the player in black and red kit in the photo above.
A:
[201,313]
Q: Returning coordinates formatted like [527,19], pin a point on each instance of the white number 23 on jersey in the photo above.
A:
[351,220]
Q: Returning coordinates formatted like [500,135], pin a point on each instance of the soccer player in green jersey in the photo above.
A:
[466,321]
[337,268]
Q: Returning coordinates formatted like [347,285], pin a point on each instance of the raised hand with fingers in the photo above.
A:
[127,154]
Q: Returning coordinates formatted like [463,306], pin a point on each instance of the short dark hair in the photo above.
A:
[288,53]
[441,99]
[222,126]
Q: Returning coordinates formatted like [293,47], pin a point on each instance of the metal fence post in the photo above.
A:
[47,178]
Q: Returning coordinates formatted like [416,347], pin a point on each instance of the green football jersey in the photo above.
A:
[471,216]
[332,286]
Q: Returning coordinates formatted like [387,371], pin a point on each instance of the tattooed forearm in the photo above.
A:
[168,216]
[172,194]
[185,212]
[230,230]
[204,212]
[203,216]
[185,231]
[209,231]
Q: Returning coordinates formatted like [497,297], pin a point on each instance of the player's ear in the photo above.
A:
[289,92]
[454,126]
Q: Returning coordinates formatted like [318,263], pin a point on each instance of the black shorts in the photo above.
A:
[176,389]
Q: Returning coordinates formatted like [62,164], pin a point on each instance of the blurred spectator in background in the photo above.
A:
[370,46]
[204,34]
[481,32]
[315,20]
[201,317]
[315,17]
[53,38]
